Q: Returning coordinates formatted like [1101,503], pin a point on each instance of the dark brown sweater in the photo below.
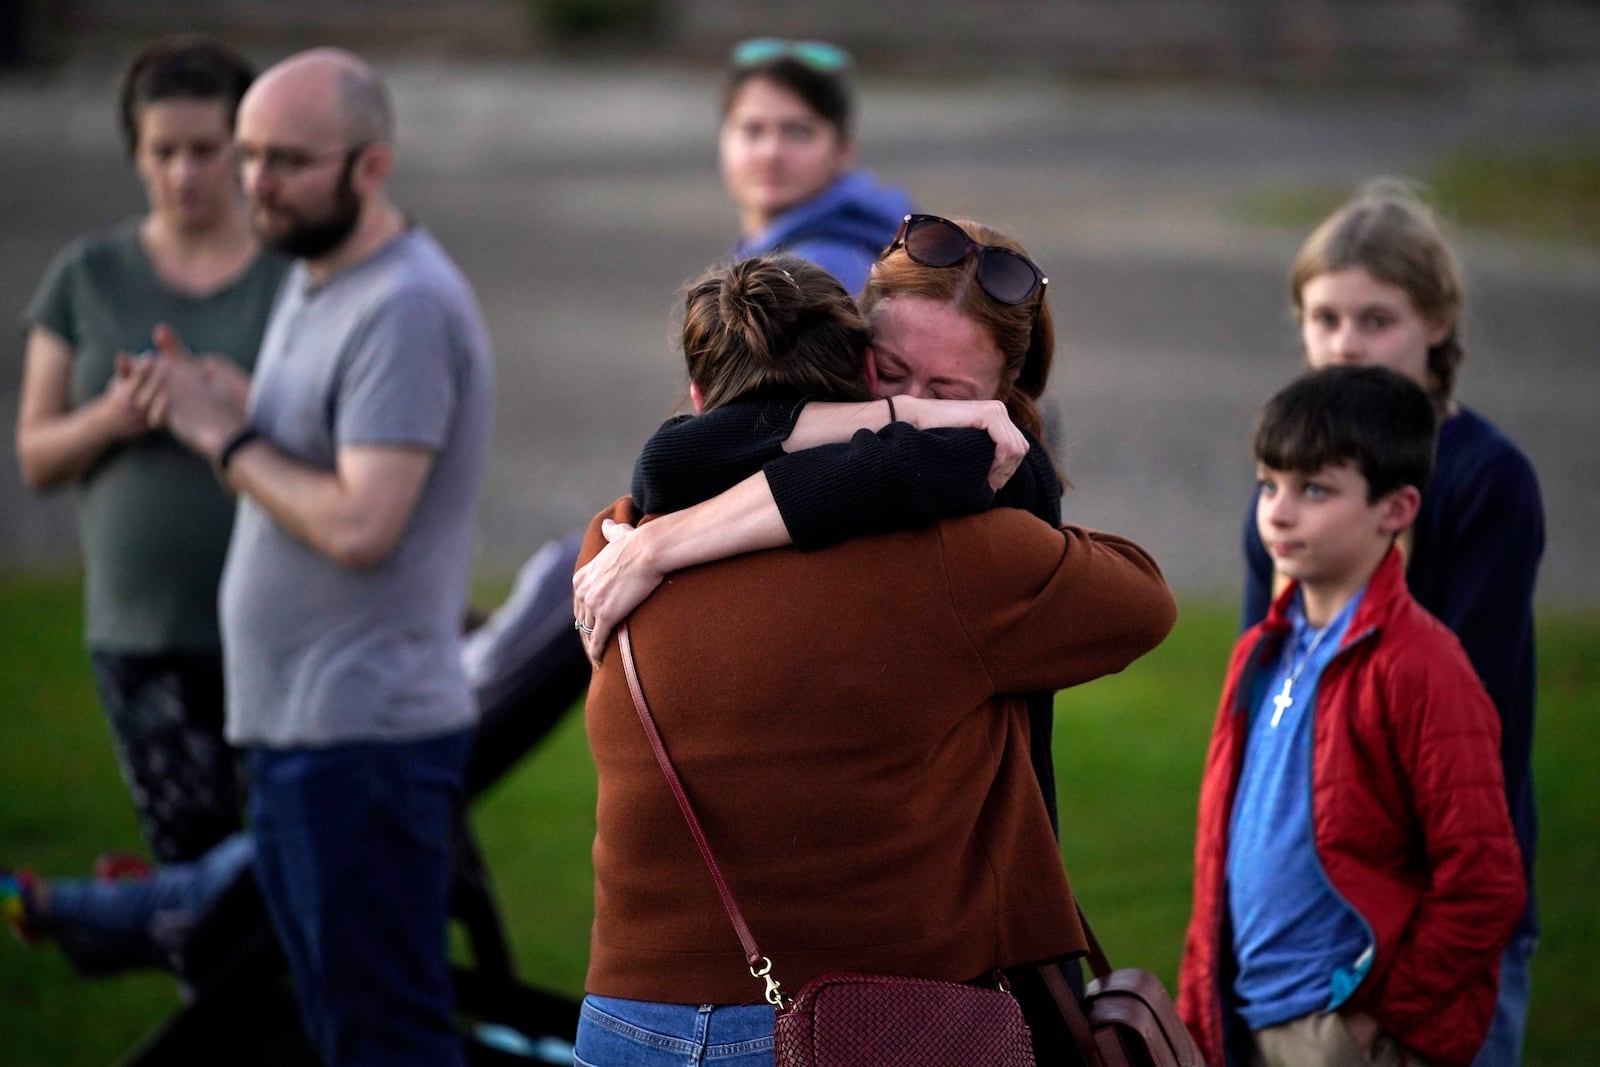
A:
[838,720]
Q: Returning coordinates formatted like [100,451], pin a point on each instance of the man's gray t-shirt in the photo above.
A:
[391,351]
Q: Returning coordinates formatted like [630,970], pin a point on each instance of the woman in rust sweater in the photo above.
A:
[841,721]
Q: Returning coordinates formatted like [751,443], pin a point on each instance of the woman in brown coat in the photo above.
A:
[841,719]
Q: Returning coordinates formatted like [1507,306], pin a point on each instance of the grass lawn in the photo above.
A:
[1548,195]
[1128,754]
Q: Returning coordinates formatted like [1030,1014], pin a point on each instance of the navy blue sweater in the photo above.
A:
[1474,557]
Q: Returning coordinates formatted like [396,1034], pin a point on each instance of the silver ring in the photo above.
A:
[577,624]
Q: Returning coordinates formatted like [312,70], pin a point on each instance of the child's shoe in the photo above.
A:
[16,888]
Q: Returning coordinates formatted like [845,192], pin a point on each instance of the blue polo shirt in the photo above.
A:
[1298,947]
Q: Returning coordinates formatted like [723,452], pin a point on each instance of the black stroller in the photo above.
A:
[527,667]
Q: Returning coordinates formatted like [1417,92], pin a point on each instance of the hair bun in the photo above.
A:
[760,301]
[773,322]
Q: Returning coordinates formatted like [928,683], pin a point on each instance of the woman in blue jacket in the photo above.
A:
[788,155]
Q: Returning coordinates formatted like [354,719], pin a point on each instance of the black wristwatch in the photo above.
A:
[231,446]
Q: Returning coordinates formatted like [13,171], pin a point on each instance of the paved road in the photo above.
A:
[578,199]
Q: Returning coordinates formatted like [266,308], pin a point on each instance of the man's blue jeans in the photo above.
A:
[640,1033]
[353,854]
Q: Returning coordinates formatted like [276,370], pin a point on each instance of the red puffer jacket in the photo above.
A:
[1409,816]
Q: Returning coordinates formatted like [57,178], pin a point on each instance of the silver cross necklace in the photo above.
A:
[1285,700]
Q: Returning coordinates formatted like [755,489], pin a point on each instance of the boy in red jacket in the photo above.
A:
[1356,874]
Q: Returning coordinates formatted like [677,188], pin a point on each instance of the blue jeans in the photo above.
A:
[353,855]
[1503,1046]
[642,1033]
[105,927]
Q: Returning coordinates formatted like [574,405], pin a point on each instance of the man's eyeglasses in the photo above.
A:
[285,163]
[1010,277]
[818,55]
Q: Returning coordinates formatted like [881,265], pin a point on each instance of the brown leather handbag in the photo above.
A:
[858,1020]
[1128,1019]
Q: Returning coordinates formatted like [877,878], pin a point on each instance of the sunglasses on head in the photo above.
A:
[1010,277]
[818,55]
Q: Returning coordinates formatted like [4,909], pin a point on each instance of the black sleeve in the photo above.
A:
[693,458]
[898,478]
[1036,487]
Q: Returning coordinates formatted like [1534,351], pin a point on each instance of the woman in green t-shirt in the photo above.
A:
[154,522]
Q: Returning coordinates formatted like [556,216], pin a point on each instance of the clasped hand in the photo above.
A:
[200,400]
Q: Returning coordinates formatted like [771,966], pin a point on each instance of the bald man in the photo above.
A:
[356,454]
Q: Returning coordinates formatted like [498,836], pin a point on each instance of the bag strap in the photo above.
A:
[760,966]
[1071,1011]
[1099,965]
[1093,1052]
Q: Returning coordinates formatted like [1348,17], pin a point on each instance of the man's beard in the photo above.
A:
[313,240]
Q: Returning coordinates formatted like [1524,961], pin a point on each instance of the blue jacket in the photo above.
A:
[1474,558]
[842,229]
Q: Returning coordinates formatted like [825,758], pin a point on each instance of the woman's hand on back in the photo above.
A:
[990,416]
[625,572]
[607,588]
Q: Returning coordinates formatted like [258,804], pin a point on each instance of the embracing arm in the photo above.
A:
[619,578]
[896,478]
[1049,608]
[693,458]
[57,443]
[836,491]
[833,423]
[939,460]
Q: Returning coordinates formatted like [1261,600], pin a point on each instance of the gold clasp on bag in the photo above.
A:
[774,995]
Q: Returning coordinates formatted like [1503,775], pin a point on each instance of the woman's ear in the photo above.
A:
[697,397]
[872,371]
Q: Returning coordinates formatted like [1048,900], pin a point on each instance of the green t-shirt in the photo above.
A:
[153,520]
